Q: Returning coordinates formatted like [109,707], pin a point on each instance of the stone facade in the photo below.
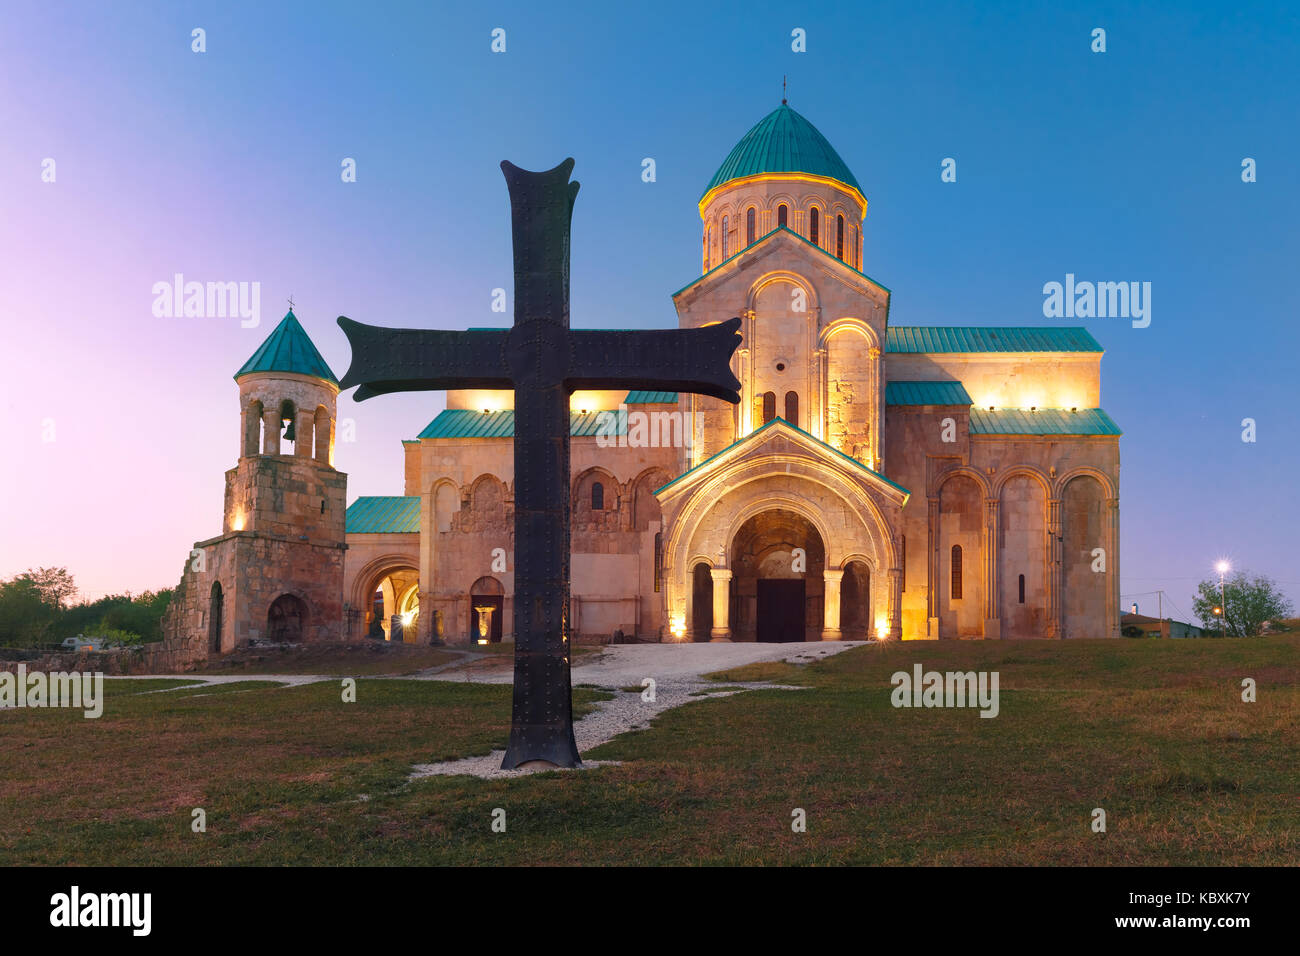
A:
[818,508]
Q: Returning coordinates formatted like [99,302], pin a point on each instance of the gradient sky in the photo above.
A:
[224,166]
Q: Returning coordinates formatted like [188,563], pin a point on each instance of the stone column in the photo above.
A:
[831,605]
[303,430]
[1112,567]
[1055,568]
[992,598]
[270,431]
[932,570]
[721,604]
[895,604]
[325,442]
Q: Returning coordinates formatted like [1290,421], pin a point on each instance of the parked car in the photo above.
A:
[82,643]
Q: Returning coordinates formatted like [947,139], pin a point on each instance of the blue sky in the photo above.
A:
[225,165]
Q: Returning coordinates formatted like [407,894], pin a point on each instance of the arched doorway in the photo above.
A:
[778,586]
[215,615]
[855,602]
[392,603]
[701,603]
[286,621]
[487,599]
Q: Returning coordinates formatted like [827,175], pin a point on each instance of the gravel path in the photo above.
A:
[676,670]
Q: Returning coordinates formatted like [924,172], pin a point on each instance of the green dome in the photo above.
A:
[288,349]
[783,142]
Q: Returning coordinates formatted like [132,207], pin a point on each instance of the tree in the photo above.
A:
[1247,604]
[25,617]
[54,584]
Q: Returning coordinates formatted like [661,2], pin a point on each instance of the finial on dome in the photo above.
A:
[784,101]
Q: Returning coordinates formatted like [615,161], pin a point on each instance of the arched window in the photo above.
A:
[708,249]
[726,251]
[782,214]
[749,227]
[1022,589]
[813,218]
[839,237]
[769,406]
[792,408]
[597,497]
[956,573]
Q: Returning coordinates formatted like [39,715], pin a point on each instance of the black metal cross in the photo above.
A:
[544,362]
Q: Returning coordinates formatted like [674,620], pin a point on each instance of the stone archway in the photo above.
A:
[486,611]
[286,620]
[216,615]
[777,560]
[855,602]
[389,600]
[701,602]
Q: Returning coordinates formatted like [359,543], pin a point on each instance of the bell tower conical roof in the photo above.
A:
[289,349]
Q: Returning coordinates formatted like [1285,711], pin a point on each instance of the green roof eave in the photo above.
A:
[931,339]
[926,393]
[1061,422]
[468,423]
[764,238]
[813,438]
[383,514]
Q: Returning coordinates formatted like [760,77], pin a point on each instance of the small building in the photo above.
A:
[1158,627]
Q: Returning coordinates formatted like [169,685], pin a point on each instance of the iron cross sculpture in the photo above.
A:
[544,362]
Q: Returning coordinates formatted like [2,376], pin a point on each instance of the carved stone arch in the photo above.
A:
[446,497]
[965,471]
[645,506]
[790,278]
[583,480]
[783,503]
[866,559]
[1021,471]
[363,585]
[847,323]
[1107,485]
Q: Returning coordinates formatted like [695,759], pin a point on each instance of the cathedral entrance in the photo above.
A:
[778,585]
[780,610]
[286,619]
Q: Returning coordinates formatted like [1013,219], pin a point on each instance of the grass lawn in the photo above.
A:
[1154,732]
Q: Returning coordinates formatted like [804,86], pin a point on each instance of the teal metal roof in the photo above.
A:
[1045,421]
[384,514]
[808,435]
[939,338]
[467,423]
[288,349]
[926,393]
[650,398]
[783,142]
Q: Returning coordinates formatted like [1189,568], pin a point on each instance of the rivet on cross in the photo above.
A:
[544,362]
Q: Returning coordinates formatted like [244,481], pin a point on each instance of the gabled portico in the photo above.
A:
[781,506]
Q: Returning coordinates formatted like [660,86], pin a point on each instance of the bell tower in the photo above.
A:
[276,570]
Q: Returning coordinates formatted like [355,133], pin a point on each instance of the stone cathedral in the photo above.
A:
[876,481]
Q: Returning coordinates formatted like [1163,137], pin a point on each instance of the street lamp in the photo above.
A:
[1222,568]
